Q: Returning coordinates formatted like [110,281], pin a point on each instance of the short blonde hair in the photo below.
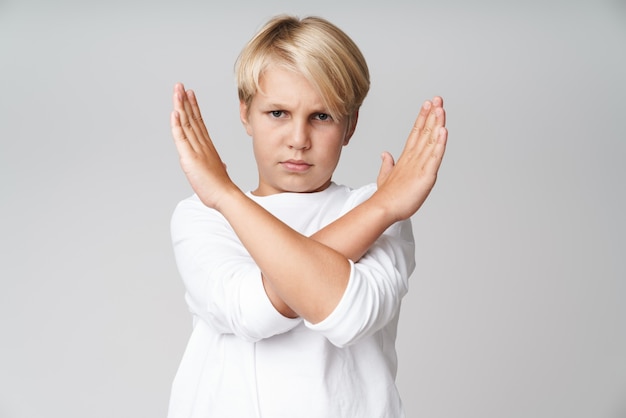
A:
[313,47]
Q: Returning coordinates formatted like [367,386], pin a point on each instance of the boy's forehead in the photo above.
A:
[280,86]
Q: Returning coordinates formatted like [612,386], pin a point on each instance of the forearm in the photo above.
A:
[351,235]
[355,232]
[307,275]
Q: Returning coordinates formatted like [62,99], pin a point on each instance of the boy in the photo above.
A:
[295,287]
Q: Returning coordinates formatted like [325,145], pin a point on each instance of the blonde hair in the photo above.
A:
[313,47]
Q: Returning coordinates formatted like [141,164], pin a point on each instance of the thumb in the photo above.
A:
[386,166]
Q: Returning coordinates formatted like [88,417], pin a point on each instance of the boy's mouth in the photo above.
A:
[296,165]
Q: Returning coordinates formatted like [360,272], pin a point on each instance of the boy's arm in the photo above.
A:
[222,286]
[310,277]
[355,232]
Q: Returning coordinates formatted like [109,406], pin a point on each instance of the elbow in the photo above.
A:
[369,304]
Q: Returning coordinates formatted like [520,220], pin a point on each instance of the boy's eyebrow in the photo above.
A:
[278,106]
[275,105]
[270,104]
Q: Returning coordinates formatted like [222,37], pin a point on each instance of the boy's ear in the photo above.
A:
[243,115]
[351,127]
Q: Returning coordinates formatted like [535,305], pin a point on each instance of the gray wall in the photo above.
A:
[516,308]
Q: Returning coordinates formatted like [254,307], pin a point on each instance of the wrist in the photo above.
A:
[384,208]
[229,198]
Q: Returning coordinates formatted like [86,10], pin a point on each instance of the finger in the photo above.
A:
[200,131]
[422,117]
[193,114]
[180,140]
[424,135]
[418,125]
[428,136]
[195,122]
[438,122]
[438,102]
[195,111]
[179,99]
[433,162]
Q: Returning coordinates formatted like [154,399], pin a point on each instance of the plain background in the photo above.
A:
[517,305]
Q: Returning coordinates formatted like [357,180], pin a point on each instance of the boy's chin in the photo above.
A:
[310,189]
[267,190]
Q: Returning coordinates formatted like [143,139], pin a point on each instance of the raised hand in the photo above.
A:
[199,159]
[404,186]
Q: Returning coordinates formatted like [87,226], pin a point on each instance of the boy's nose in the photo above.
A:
[300,138]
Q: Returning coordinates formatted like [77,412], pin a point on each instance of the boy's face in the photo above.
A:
[296,142]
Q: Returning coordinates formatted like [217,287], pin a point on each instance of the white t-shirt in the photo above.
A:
[244,359]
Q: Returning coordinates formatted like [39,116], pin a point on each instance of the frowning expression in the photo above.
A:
[297,144]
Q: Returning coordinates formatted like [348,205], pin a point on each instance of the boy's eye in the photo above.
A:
[276,113]
[323,116]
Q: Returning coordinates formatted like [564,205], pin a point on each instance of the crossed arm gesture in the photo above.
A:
[402,189]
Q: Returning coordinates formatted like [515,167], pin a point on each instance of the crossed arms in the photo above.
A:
[325,259]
